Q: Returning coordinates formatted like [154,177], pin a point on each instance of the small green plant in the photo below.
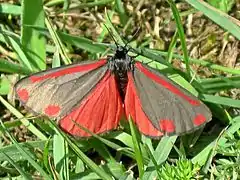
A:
[228,166]
[183,169]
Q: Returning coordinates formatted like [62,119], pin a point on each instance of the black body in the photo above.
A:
[120,64]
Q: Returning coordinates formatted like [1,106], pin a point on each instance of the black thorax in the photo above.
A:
[120,64]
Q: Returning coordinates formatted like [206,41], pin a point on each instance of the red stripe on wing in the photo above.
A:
[133,108]
[99,112]
[69,70]
[166,84]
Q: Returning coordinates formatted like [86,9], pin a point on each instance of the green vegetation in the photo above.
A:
[223,5]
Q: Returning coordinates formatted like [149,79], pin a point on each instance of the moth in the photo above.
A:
[97,94]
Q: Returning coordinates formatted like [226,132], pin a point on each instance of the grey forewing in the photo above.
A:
[67,91]
[159,103]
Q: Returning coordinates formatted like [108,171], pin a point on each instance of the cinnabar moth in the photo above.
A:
[96,94]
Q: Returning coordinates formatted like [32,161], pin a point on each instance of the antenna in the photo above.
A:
[111,35]
[132,37]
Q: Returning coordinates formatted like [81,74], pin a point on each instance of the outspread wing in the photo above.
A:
[63,93]
[161,104]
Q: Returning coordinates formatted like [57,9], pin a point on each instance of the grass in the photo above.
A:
[33,148]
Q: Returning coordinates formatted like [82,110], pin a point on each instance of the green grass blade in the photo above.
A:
[5,84]
[46,155]
[9,67]
[82,43]
[221,100]
[124,137]
[181,36]
[172,46]
[78,41]
[61,156]
[13,41]
[56,62]
[59,45]
[32,41]
[153,160]
[222,19]
[137,149]
[212,85]
[121,11]
[91,4]
[6,8]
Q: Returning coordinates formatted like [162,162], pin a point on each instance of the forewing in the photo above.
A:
[167,106]
[57,93]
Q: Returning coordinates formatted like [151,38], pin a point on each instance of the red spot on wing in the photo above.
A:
[167,125]
[199,119]
[69,70]
[166,84]
[23,94]
[134,108]
[99,112]
[52,110]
